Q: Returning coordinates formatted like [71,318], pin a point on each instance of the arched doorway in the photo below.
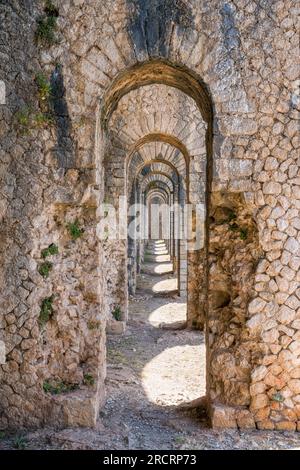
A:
[142,150]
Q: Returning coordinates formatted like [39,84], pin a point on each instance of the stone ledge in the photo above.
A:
[115,327]
[222,417]
[80,408]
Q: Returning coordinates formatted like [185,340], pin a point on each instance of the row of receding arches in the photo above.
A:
[154,144]
[157,120]
[156,125]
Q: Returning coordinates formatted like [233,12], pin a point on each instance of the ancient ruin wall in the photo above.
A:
[247,54]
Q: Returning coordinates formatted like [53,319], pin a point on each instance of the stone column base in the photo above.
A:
[115,327]
[79,408]
[224,417]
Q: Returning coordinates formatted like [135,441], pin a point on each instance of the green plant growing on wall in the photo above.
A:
[278,397]
[58,387]
[26,119]
[44,87]
[42,120]
[50,9]
[23,119]
[50,251]
[45,269]
[45,32]
[243,233]
[23,116]
[231,216]
[233,227]
[74,230]
[88,380]
[2,435]
[19,443]
[46,310]
[116,313]
[47,387]
[47,25]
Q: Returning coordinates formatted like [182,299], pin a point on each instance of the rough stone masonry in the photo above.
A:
[215,87]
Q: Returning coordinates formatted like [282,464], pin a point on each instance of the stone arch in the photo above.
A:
[157,71]
[163,182]
[155,176]
[135,146]
[158,163]
[158,171]
[115,52]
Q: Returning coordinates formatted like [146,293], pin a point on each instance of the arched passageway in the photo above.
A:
[142,87]
[138,134]
[157,128]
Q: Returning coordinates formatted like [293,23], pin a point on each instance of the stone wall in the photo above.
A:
[239,62]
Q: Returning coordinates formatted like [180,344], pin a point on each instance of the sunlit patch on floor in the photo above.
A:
[167,285]
[163,268]
[168,313]
[174,377]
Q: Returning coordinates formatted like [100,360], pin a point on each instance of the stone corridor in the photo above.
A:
[155,381]
[157,368]
[113,106]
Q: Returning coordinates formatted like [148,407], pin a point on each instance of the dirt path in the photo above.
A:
[152,373]
[153,370]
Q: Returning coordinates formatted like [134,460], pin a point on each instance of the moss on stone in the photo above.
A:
[243,233]
[116,313]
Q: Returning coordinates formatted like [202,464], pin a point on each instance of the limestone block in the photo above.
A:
[259,373]
[245,419]
[81,408]
[223,417]
[115,327]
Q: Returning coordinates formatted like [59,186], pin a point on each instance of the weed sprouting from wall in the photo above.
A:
[50,251]
[46,311]
[57,387]
[45,269]
[23,116]
[19,443]
[88,380]
[26,120]
[35,116]
[243,233]
[44,86]
[116,313]
[74,230]
[47,25]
